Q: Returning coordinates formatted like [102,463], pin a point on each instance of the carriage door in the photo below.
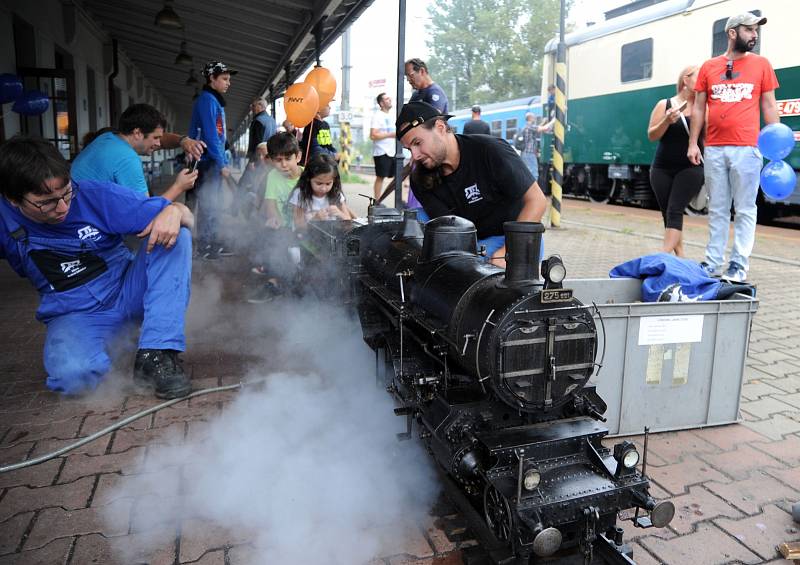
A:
[59,124]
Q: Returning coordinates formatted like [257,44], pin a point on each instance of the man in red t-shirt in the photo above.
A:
[735,86]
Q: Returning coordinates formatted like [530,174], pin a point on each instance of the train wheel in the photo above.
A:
[603,194]
[698,206]
[498,513]
[384,365]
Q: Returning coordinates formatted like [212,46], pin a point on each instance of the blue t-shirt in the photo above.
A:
[78,264]
[433,95]
[109,158]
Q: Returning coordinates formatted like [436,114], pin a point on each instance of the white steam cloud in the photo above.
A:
[304,470]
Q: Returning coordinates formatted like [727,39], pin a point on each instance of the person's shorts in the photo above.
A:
[384,166]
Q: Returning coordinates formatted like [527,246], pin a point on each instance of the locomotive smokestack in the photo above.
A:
[411,226]
[523,245]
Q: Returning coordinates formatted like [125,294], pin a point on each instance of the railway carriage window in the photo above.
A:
[637,60]
[719,39]
[497,128]
[511,128]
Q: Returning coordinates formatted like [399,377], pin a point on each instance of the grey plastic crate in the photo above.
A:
[668,366]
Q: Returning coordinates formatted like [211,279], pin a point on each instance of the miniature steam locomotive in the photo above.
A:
[493,366]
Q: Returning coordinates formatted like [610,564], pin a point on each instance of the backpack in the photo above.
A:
[519,141]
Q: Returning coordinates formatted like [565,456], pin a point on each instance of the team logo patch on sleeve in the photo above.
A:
[89,232]
[473,194]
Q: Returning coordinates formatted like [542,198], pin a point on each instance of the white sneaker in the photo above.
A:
[735,273]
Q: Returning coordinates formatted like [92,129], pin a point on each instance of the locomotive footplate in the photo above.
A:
[492,551]
[554,485]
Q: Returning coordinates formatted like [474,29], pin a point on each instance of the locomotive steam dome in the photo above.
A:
[449,235]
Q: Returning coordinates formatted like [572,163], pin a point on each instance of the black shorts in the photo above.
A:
[384,166]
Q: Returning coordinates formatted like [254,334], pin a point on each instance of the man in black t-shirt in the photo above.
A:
[478,177]
[476,124]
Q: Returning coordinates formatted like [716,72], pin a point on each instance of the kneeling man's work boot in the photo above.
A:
[161,369]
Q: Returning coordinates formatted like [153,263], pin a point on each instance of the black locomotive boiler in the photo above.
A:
[493,366]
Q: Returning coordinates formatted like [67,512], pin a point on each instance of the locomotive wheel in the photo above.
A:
[698,206]
[384,367]
[603,195]
[497,513]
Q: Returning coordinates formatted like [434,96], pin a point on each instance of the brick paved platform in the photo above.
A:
[122,499]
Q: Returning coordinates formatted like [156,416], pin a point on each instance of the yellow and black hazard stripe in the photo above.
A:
[558,145]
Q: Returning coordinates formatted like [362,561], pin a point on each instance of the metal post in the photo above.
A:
[346,70]
[560,125]
[344,124]
[398,101]
[318,41]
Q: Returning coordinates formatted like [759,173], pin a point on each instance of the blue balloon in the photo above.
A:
[778,180]
[10,87]
[776,141]
[31,103]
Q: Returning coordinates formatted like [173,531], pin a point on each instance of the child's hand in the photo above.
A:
[273,223]
[334,212]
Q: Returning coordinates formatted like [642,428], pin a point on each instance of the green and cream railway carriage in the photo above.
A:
[618,69]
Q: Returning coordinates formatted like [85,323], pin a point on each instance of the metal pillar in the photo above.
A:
[344,114]
[560,126]
[398,101]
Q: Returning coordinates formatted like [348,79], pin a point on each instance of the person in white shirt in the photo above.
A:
[382,134]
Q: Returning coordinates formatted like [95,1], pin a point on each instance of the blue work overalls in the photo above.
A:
[90,285]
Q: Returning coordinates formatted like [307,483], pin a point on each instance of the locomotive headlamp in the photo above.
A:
[553,271]
[532,479]
[626,455]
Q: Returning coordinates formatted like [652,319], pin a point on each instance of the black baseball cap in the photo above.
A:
[476,109]
[414,114]
[215,68]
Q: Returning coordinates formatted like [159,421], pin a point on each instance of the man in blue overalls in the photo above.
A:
[66,239]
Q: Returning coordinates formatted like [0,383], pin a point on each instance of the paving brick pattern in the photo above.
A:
[733,485]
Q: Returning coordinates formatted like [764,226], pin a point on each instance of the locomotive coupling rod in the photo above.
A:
[592,515]
[644,467]
[610,553]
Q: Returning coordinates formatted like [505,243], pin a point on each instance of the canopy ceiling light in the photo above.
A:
[183,57]
[192,80]
[168,18]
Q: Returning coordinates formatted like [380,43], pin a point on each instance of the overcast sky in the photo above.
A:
[373,45]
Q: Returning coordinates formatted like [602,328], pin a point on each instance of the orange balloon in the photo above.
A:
[301,103]
[322,79]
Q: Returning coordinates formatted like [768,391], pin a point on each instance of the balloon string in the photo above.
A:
[308,144]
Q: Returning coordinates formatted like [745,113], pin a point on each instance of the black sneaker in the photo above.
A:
[162,370]
[265,293]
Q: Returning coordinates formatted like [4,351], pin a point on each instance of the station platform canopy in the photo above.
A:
[270,43]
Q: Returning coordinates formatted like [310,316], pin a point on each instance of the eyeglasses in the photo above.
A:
[729,69]
[51,204]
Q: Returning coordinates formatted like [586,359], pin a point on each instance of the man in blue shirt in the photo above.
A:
[66,238]
[425,90]
[208,124]
[114,156]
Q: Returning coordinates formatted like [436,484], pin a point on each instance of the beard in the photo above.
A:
[742,46]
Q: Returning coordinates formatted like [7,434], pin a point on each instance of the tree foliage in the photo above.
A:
[491,50]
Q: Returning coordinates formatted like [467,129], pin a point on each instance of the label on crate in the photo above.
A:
[670,329]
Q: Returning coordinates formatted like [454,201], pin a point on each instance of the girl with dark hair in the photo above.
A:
[318,195]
